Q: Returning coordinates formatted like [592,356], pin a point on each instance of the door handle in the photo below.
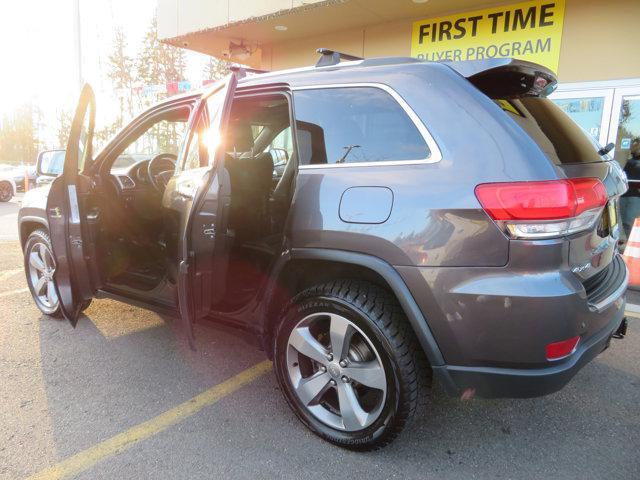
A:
[93,214]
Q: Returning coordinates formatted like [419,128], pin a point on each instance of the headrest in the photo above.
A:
[240,138]
[311,144]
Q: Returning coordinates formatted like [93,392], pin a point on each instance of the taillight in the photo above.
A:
[564,348]
[543,209]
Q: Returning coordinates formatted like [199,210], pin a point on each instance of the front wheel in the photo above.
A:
[349,364]
[40,266]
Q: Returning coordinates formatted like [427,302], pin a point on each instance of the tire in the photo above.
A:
[38,245]
[6,191]
[394,385]
[36,238]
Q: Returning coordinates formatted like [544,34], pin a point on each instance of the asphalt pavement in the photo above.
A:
[9,218]
[123,397]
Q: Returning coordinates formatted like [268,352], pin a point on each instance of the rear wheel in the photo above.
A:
[348,363]
[6,191]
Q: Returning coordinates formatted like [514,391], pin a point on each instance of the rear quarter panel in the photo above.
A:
[436,219]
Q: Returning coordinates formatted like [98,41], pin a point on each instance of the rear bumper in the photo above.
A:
[490,382]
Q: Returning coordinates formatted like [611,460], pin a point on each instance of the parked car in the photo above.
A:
[7,184]
[434,221]
[22,171]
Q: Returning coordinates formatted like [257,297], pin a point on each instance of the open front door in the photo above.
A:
[74,275]
[199,194]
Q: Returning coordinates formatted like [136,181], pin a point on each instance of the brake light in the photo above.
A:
[543,209]
[558,350]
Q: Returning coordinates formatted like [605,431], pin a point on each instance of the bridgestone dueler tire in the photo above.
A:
[377,313]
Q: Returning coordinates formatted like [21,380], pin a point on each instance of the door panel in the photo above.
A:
[198,196]
[75,273]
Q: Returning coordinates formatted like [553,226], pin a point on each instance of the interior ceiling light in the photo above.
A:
[281,28]
[419,1]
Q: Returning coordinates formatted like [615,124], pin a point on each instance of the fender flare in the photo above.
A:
[22,219]
[417,320]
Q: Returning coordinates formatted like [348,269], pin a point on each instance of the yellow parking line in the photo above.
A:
[87,458]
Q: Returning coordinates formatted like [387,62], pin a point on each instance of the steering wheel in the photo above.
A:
[159,170]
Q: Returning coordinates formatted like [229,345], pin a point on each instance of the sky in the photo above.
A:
[38,52]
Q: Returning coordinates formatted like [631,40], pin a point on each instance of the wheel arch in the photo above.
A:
[301,268]
[28,224]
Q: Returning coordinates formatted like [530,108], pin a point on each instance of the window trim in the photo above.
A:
[434,156]
[106,158]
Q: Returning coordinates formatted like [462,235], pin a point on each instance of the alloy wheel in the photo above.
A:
[336,372]
[41,270]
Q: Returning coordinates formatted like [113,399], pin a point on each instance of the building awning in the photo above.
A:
[242,31]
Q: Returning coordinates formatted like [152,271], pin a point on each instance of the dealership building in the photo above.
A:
[592,45]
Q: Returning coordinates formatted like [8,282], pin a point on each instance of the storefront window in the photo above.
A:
[586,112]
[627,153]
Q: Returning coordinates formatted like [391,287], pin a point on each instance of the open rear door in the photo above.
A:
[200,195]
[75,273]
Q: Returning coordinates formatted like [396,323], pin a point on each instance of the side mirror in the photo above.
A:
[43,180]
[50,163]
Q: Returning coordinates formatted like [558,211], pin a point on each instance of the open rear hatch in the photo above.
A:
[520,89]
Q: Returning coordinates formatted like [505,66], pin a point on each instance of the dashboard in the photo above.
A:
[131,177]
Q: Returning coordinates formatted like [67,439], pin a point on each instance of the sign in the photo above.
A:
[529,31]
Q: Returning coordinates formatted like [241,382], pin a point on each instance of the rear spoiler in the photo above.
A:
[507,77]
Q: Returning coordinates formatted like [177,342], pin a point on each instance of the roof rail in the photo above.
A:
[330,57]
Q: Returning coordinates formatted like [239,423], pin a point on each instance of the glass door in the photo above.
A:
[590,109]
[625,135]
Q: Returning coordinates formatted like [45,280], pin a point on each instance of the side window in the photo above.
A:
[164,136]
[204,139]
[354,125]
[281,147]
[195,158]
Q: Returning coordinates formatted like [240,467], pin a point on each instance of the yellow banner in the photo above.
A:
[530,31]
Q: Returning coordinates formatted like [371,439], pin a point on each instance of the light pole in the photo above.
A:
[77,39]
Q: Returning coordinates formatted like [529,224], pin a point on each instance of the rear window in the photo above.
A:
[354,125]
[553,130]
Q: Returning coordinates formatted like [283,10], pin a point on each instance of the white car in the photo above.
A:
[7,184]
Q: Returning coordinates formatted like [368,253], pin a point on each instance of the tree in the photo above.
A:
[120,73]
[18,136]
[216,69]
[149,62]
[174,63]
[64,120]
[159,64]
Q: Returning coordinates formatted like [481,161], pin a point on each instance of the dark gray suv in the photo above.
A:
[370,224]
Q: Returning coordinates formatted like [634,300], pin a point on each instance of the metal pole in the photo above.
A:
[77,40]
